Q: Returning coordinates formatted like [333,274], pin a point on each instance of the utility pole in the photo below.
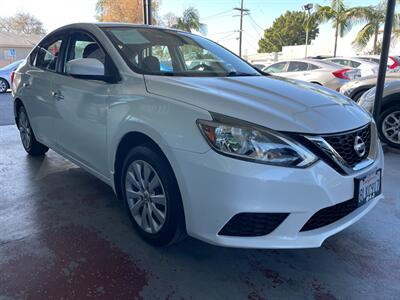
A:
[144,11]
[147,14]
[242,11]
[308,7]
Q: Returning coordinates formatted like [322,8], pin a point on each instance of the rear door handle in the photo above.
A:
[26,84]
[57,95]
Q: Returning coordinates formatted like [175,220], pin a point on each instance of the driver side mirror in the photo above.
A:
[86,68]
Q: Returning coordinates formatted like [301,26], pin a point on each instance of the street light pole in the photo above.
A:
[387,32]
[308,7]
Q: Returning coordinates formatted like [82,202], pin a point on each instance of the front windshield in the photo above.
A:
[172,53]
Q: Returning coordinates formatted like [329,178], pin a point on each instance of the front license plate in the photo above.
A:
[368,186]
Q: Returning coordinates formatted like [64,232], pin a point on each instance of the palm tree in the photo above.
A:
[341,17]
[190,20]
[374,17]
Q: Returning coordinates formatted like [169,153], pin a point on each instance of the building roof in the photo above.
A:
[18,41]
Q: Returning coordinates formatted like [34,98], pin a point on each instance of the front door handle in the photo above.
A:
[57,95]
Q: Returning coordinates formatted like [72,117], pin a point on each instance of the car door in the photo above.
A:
[37,85]
[82,107]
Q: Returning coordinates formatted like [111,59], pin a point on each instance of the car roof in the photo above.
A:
[116,25]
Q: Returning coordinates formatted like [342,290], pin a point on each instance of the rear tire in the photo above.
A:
[358,95]
[31,145]
[152,197]
[4,86]
[389,126]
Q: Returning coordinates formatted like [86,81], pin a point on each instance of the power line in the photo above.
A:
[218,15]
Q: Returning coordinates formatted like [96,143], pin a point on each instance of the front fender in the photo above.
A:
[170,124]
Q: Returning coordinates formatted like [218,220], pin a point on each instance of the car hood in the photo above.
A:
[277,103]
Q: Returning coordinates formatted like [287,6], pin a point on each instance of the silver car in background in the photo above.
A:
[388,121]
[314,71]
[5,75]
[356,88]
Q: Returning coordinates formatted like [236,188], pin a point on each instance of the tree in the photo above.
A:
[129,11]
[189,20]
[342,18]
[374,18]
[170,20]
[22,23]
[288,29]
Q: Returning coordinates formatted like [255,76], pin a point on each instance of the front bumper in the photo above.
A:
[215,188]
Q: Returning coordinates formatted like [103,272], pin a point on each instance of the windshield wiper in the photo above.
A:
[235,73]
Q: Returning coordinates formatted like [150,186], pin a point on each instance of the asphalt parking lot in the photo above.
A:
[65,233]
[6,109]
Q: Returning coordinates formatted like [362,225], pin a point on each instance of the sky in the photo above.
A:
[222,21]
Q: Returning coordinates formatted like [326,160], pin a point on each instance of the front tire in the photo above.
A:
[4,86]
[31,145]
[152,197]
[389,126]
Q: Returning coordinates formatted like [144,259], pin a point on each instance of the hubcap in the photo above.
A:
[391,127]
[145,195]
[3,86]
[25,130]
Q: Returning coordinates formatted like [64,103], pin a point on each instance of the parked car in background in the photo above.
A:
[215,150]
[314,71]
[388,122]
[259,66]
[366,67]
[393,61]
[356,88]
[5,75]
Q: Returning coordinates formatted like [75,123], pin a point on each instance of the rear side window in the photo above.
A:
[313,67]
[276,68]
[354,64]
[297,66]
[339,61]
[48,54]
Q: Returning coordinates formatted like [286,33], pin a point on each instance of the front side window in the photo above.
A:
[48,54]
[83,46]
[276,68]
[171,53]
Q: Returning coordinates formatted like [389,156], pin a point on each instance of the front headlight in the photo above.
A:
[250,142]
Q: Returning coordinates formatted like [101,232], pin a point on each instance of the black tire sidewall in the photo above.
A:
[174,217]
[382,116]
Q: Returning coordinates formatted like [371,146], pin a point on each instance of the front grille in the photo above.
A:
[330,215]
[344,145]
[253,224]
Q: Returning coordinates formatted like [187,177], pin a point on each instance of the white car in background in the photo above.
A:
[366,67]
[314,71]
[393,63]
[218,151]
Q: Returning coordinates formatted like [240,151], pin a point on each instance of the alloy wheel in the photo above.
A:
[391,127]
[146,196]
[25,130]
[3,86]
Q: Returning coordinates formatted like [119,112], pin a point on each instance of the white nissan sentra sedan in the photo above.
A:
[195,140]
